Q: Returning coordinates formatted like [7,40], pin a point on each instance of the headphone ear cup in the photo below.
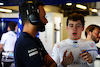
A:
[33,18]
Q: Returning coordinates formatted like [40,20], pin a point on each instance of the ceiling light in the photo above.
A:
[81,6]
[1,3]
[94,10]
[5,10]
[69,4]
[30,1]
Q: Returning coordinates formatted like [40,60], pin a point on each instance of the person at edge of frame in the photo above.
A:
[75,48]
[92,32]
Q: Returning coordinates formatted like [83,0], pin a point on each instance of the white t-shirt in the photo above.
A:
[75,48]
[8,40]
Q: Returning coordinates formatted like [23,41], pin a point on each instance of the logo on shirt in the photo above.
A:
[32,52]
[92,45]
[57,46]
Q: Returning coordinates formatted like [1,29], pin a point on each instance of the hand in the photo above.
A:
[67,60]
[86,56]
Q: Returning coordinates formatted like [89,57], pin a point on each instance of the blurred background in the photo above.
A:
[57,12]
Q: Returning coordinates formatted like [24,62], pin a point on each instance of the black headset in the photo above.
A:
[32,12]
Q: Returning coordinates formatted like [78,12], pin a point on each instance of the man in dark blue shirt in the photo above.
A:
[29,50]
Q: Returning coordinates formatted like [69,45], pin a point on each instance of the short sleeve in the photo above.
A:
[94,53]
[55,54]
[31,57]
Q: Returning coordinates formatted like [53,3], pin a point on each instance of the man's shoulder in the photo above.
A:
[62,42]
[87,44]
[86,41]
[4,34]
[10,33]
[22,41]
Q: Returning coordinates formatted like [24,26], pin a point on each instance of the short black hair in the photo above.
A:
[75,17]
[12,25]
[90,28]
[24,6]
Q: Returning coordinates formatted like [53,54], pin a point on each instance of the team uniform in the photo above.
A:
[8,40]
[32,54]
[75,46]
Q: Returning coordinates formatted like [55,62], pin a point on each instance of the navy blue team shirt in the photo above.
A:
[29,51]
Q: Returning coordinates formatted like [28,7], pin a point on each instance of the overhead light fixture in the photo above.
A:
[81,6]
[69,4]
[5,10]
[1,3]
[94,10]
[30,1]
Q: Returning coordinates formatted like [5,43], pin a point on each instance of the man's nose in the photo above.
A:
[46,20]
[99,35]
[74,28]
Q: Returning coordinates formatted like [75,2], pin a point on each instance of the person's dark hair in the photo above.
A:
[12,25]
[22,10]
[90,28]
[75,17]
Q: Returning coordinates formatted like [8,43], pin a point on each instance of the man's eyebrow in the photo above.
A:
[78,24]
[70,24]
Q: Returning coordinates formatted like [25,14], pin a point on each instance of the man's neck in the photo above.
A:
[30,29]
[89,39]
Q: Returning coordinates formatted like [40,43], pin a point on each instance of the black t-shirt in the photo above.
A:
[29,51]
[98,49]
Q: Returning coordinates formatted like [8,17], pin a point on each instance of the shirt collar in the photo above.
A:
[72,41]
[26,35]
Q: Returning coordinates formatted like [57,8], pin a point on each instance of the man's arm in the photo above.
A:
[3,41]
[1,47]
[49,61]
[55,54]
[86,56]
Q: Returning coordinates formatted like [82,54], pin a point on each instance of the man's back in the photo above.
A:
[8,39]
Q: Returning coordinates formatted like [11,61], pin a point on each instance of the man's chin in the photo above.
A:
[41,28]
[96,41]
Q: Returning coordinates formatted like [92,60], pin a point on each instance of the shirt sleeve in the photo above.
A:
[31,57]
[55,54]
[91,65]
[94,53]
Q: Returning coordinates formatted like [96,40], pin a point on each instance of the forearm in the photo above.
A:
[49,61]
[63,64]
[1,47]
[53,65]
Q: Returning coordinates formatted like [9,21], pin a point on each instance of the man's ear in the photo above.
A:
[8,28]
[67,28]
[89,33]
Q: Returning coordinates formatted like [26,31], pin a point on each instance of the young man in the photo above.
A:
[92,32]
[8,39]
[29,50]
[76,49]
